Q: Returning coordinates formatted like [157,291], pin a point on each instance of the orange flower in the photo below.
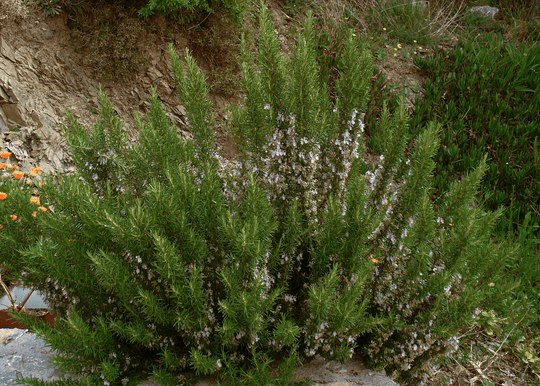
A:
[5,154]
[13,217]
[375,261]
[13,167]
[35,171]
[42,208]
[491,284]
[18,175]
[1,226]
[2,165]
[42,183]
[34,214]
[2,195]
[34,200]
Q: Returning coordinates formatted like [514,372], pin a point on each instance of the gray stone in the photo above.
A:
[484,11]
[24,354]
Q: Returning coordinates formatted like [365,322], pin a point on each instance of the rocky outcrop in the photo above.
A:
[484,11]
[41,78]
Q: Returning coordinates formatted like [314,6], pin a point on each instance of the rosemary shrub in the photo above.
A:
[160,258]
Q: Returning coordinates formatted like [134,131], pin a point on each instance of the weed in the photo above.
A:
[410,20]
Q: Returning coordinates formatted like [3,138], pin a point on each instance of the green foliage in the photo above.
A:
[165,7]
[162,259]
[52,7]
[491,105]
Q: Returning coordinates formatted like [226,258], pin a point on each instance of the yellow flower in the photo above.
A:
[419,48]
[384,29]
[491,284]
[399,45]
[2,195]
[18,175]
[414,41]
[5,154]
[353,34]
[395,54]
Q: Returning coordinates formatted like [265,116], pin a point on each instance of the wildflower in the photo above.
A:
[12,167]
[42,208]
[13,217]
[5,154]
[34,214]
[35,171]
[18,175]
[2,165]
[34,200]
[353,34]
[384,29]
[42,183]
[375,261]
[2,195]
[491,284]
[414,41]
[399,46]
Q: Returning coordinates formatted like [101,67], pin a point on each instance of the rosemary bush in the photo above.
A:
[160,258]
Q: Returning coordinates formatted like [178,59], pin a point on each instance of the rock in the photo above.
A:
[24,354]
[484,11]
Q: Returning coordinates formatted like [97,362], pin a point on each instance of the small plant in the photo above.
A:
[380,54]
[409,20]
[52,7]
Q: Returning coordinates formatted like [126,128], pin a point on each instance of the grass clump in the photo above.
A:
[413,20]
